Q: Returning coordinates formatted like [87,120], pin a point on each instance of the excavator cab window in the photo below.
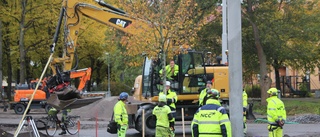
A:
[147,77]
[186,63]
[193,74]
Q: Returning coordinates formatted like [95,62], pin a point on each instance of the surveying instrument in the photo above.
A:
[30,122]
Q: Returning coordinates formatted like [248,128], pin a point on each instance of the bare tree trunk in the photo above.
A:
[1,90]
[265,81]
[7,61]
[21,44]
[276,66]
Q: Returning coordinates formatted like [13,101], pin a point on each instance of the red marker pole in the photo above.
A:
[96,123]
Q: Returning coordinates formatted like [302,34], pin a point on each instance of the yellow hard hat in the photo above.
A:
[214,93]
[273,91]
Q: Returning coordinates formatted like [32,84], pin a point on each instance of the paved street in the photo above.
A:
[254,130]
[9,122]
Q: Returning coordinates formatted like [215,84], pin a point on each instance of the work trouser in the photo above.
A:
[244,122]
[122,130]
[275,131]
[163,131]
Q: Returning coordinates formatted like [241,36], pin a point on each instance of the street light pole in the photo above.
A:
[108,92]
[224,32]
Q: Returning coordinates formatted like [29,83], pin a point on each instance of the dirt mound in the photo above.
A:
[101,109]
[305,119]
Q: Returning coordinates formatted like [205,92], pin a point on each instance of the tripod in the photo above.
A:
[30,121]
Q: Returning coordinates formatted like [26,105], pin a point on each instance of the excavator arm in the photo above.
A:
[73,10]
[83,74]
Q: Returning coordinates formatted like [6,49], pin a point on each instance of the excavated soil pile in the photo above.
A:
[102,109]
[305,119]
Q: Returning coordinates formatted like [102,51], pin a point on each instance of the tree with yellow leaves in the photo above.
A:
[172,24]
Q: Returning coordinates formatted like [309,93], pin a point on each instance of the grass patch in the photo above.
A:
[294,106]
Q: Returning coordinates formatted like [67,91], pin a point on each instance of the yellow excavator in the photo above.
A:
[191,78]
[72,11]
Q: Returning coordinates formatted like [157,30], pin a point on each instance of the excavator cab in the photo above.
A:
[190,79]
[189,82]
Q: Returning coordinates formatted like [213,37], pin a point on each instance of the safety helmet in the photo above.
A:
[123,96]
[214,93]
[168,83]
[162,98]
[209,82]
[273,91]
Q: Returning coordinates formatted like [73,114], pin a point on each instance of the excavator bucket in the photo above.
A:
[54,101]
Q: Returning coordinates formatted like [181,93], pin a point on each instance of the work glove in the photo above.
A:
[172,129]
[170,100]
[280,123]
[172,132]
[244,111]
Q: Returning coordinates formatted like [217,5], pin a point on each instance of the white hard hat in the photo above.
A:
[168,83]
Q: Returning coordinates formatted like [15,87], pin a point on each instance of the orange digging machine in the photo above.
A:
[23,94]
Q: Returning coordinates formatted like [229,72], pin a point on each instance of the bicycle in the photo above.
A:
[70,124]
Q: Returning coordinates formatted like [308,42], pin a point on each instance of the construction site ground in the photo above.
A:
[95,117]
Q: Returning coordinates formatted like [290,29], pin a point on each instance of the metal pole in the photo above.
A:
[224,32]
[109,92]
[235,66]
[108,60]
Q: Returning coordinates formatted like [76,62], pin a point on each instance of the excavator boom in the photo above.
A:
[74,10]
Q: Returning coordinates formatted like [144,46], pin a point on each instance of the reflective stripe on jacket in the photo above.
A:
[171,95]
[162,115]
[211,120]
[120,113]
[171,71]
[275,110]
[202,95]
[245,99]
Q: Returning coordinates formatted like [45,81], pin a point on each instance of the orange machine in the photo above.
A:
[24,95]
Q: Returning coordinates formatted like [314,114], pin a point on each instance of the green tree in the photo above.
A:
[281,37]
[173,21]
[1,53]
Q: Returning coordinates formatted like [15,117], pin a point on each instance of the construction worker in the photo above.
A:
[276,114]
[211,120]
[162,112]
[63,119]
[203,94]
[121,115]
[245,105]
[53,112]
[171,99]
[172,71]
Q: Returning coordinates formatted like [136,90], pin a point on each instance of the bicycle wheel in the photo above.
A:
[71,124]
[51,126]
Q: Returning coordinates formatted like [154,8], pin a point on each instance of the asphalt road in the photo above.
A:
[254,130]
[9,121]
